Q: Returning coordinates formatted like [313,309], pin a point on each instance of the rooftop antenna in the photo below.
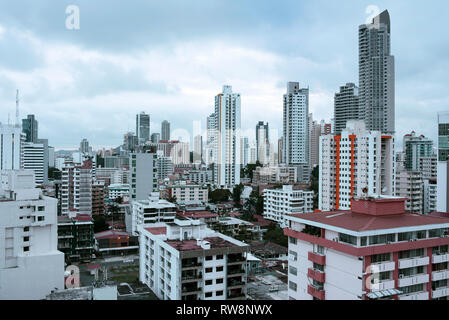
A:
[17,108]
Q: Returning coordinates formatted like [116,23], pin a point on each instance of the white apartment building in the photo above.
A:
[180,153]
[142,175]
[11,151]
[149,211]
[189,192]
[76,188]
[185,260]
[164,165]
[409,184]
[282,174]
[30,264]
[34,159]
[428,167]
[118,190]
[278,203]
[227,132]
[375,251]
[357,162]
[296,125]
[429,195]
[200,176]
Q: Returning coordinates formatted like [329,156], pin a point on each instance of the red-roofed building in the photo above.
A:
[203,215]
[377,250]
[116,242]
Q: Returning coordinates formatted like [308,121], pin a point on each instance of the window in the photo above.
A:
[318,267]
[219,269]
[383,257]
[342,237]
[219,257]
[40,208]
[208,282]
[292,286]
[219,293]
[208,270]
[26,249]
[208,258]
[208,294]
[318,249]
[218,281]
[292,240]
[26,239]
[26,229]
[293,270]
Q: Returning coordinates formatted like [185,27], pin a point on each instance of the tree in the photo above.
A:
[249,169]
[172,199]
[100,223]
[236,194]
[314,185]
[219,195]
[276,235]
[54,173]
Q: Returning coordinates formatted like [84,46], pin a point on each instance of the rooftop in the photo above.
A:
[157,230]
[190,245]
[374,214]
[198,214]
[111,234]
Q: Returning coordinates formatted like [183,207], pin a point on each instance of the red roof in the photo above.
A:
[189,245]
[261,221]
[439,214]
[157,230]
[364,222]
[197,214]
[111,234]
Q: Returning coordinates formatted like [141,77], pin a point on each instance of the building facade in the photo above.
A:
[346,106]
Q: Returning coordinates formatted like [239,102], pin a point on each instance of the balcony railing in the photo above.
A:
[191,265]
[316,275]
[316,292]
[235,271]
[422,295]
[191,289]
[440,292]
[317,258]
[440,275]
[413,262]
[438,258]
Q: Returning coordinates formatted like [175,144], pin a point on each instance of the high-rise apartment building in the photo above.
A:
[143,127]
[130,142]
[346,106]
[358,162]
[30,128]
[84,147]
[180,153]
[296,125]
[165,130]
[409,185]
[443,163]
[211,139]
[314,141]
[30,264]
[227,133]
[76,188]
[244,151]
[198,149]
[143,175]
[415,148]
[263,142]
[34,159]
[376,75]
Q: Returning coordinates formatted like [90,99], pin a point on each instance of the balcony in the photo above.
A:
[187,290]
[438,258]
[440,275]
[317,258]
[412,280]
[440,292]
[383,266]
[423,295]
[233,284]
[316,274]
[316,292]
[191,278]
[236,294]
[236,259]
[190,265]
[413,262]
[236,271]
[382,285]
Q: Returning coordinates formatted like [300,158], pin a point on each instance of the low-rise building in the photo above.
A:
[118,190]
[280,202]
[188,192]
[149,211]
[115,242]
[76,237]
[185,260]
[376,250]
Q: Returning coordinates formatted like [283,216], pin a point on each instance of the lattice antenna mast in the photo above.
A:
[17,108]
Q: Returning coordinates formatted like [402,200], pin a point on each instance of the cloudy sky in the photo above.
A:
[170,58]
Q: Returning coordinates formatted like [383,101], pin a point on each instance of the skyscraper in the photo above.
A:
[296,129]
[346,106]
[244,151]
[198,149]
[262,142]
[155,137]
[443,163]
[30,128]
[84,146]
[11,142]
[376,75]
[314,141]
[165,130]
[227,130]
[143,127]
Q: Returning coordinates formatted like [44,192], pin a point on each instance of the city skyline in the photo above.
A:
[99,77]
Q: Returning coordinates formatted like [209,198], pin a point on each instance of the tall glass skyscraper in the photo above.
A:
[30,128]
[143,127]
